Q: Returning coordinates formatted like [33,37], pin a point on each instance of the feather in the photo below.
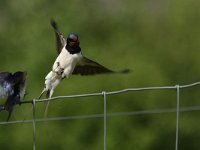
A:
[60,40]
[6,84]
[90,67]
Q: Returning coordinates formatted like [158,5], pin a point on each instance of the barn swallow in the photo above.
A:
[12,86]
[70,61]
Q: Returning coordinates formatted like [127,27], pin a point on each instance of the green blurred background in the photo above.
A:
[158,40]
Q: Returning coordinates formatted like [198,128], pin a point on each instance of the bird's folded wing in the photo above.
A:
[6,84]
[60,40]
[89,67]
[19,81]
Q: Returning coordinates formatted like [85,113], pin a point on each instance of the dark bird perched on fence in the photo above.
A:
[12,86]
[70,61]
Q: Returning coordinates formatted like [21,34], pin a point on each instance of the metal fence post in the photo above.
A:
[177,114]
[105,119]
[34,127]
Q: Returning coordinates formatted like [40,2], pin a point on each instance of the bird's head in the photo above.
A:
[72,40]
[19,77]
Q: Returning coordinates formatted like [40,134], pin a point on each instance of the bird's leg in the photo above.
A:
[58,70]
[63,77]
[65,73]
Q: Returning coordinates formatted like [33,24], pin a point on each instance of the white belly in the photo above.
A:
[66,61]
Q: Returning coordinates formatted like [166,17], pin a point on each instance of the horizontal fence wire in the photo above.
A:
[176,110]
[116,114]
[113,92]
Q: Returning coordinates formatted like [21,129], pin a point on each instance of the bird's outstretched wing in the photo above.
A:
[6,84]
[89,67]
[60,40]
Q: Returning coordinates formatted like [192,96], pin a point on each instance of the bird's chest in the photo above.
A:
[65,59]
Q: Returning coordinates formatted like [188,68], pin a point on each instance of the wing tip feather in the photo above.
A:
[53,24]
[124,71]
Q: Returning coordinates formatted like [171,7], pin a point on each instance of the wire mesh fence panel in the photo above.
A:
[104,117]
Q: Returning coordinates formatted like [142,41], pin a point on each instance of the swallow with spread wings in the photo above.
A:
[70,61]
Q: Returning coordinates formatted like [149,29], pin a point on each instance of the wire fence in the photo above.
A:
[104,94]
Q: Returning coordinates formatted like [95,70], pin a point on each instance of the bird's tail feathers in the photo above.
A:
[46,110]
[48,94]
[43,91]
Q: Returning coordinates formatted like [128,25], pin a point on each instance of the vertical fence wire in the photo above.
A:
[177,114]
[105,119]
[34,127]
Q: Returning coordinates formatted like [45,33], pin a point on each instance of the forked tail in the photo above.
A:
[47,93]
[44,90]
[46,109]
[47,103]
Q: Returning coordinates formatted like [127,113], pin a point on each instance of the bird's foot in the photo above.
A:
[63,76]
[59,70]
